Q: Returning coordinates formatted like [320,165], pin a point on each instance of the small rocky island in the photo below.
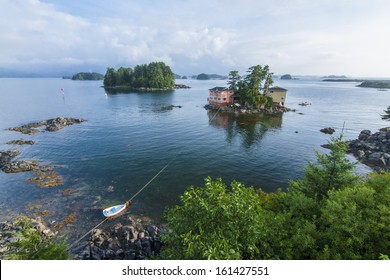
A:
[45,176]
[49,125]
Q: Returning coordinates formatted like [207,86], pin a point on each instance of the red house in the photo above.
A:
[220,96]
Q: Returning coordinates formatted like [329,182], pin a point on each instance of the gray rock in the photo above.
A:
[377,158]
[364,134]
[360,154]
[328,130]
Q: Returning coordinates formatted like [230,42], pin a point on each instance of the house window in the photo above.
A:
[224,98]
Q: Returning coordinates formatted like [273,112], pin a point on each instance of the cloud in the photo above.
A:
[299,36]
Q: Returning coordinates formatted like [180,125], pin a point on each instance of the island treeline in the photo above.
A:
[88,76]
[155,75]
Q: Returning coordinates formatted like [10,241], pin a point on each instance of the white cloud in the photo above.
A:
[300,36]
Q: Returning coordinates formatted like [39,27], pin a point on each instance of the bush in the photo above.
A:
[215,222]
[31,244]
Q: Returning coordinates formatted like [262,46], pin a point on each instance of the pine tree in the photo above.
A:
[386,117]
[333,172]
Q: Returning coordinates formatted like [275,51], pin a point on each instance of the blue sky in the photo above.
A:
[299,37]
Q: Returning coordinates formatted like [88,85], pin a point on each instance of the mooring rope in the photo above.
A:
[215,114]
[137,193]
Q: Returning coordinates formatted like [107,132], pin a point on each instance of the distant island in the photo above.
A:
[376,84]
[204,76]
[286,77]
[342,80]
[85,76]
[379,84]
[335,77]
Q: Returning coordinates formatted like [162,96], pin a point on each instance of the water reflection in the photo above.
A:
[251,128]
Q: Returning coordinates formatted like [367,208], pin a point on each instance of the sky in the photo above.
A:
[298,37]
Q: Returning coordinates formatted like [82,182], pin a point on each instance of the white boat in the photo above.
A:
[114,211]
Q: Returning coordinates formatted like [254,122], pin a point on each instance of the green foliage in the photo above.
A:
[155,75]
[31,244]
[215,222]
[251,89]
[234,79]
[386,116]
[87,76]
[356,220]
[329,214]
[333,172]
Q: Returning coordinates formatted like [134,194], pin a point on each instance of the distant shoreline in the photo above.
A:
[380,84]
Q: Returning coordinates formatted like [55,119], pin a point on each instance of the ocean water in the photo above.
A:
[129,137]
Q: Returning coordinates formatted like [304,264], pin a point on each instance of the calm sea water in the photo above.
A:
[128,138]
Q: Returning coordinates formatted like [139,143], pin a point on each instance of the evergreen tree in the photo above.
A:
[386,117]
[110,77]
[333,172]
[234,79]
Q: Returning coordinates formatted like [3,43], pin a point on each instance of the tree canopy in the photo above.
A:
[156,75]
[252,87]
[329,214]
[87,76]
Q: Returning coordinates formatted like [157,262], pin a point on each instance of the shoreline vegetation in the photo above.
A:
[330,213]
[311,220]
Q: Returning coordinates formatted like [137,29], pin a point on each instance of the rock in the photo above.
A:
[124,242]
[372,149]
[170,107]
[328,130]
[385,129]
[10,232]
[360,154]
[20,142]
[179,86]
[50,125]
[364,134]
[376,158]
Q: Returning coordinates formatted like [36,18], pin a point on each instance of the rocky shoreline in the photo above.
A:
[233,109]
[10,232]
[143,89]
[137,239]
[45,175]
[50,125]
[372,149]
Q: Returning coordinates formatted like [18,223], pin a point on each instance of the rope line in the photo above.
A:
[215,114]
[137,193]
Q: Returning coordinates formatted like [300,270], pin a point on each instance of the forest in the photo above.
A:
[155,75]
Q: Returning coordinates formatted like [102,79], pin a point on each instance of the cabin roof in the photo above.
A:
[277,88]
[219,88]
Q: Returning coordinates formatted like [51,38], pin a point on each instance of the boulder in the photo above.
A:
[328,130]
[364,134]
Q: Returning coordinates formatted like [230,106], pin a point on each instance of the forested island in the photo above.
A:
[379,84]
[375,84]
[85,76]
[203,76]
[152,76]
